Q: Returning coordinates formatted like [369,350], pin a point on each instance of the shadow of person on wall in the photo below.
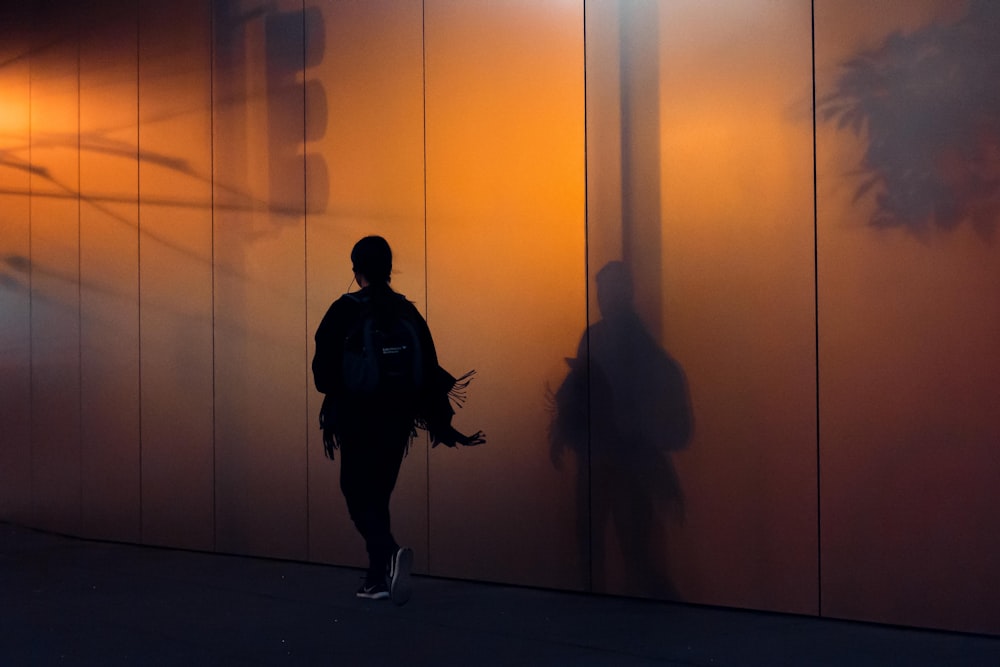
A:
[624,408]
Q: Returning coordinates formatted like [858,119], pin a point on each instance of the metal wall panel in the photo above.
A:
[175,273]
[54,264]
[702,364]
[738,300]
[259,278]
[909,304]
[506,277]
[15,324]
[365,156]
[109,272]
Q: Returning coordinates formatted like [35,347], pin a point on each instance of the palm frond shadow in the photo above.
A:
[927,105]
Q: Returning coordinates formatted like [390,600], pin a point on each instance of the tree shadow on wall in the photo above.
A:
[930,106]
[622,411]
[292,42]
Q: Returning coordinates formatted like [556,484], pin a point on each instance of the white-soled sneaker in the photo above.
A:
[399,575]
[373,591]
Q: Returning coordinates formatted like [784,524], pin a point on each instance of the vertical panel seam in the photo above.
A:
[305,273]
[138,248]
[211,132]
[79,271]
[816,350]
[138,254]
[427,297]
[586,292]
[31,292]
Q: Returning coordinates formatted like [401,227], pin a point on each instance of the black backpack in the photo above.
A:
[382,354]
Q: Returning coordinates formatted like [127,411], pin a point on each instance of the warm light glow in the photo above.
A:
[181,184]
[8,118]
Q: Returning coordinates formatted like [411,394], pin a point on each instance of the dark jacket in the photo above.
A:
[346,412]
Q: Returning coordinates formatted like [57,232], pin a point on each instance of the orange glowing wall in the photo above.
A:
[700,180]
[15,285]
[713,365]
[909,316]
[175,249]
[53,268]
[110,481]
[505,274]
[368,97]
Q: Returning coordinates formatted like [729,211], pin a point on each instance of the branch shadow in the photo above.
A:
[928,105]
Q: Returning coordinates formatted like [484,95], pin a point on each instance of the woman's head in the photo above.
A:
[372,258]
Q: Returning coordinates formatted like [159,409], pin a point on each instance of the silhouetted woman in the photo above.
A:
[373,425]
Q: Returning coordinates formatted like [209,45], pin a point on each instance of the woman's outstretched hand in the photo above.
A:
[453,437]
[477,438]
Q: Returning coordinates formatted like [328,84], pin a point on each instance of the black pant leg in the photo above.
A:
[370,464]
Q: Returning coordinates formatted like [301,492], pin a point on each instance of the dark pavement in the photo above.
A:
[66,601]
